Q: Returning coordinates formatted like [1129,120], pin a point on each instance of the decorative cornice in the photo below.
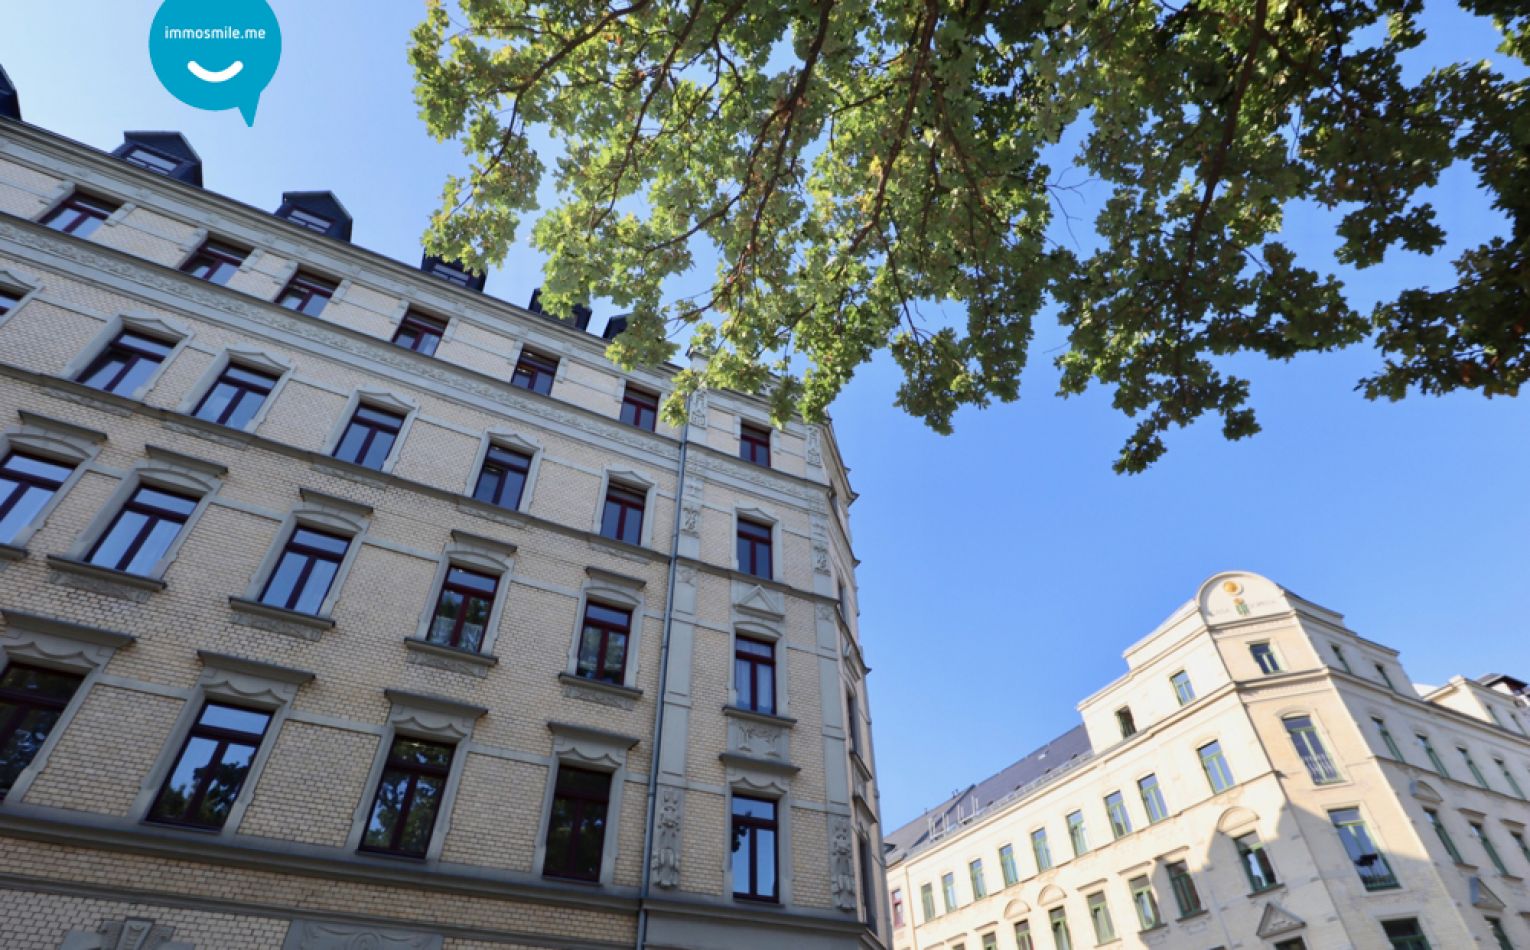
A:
[67,630]
[612,577]
[180,460]
[319,499]
[37,419]
[258,668]
[434,703]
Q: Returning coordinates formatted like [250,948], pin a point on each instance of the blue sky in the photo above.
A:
[1005,567]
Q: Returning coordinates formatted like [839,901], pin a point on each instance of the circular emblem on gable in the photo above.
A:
[1232,587]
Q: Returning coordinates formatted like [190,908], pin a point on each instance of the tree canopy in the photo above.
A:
[845,161]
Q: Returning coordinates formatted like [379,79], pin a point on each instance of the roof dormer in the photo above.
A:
[318,211]
[580,319]
[10,102]
[453,272]
[164,153]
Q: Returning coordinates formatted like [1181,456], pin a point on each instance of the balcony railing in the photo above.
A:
[1321,768]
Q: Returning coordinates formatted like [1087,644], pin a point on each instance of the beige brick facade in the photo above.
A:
[1306,825]
[151,645]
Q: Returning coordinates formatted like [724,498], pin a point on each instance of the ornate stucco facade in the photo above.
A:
[1261,777]
[565,767]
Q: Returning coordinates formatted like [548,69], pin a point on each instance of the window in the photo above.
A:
[1023,936]
[306,293]
[948,890]
[1264,655]
[1445,838]
[31,702]
[1310,747]
[754,848]
[1145,903]
[1381,671]
[1386,737]
[215,263]
[81,215]
[927,899]
[754,674]
[1480,834]
[1076,833]
[8,301]
[603,643]
[576,829]
[408,797]
[979,885]
[1152,799]
[622,519]
[126,364]
[451,272]
[852,721]
[1099,916]
[1007,866]
[1185,894]
[305,571]
[1040,849]
[1404,934]
[1061,938]
[990,941]
[1183,691]
[1434,757]
[1127,723]
[640,408]
[1496,926]
[211,768]
[236,396]
[534,372]
[143,531]
[419,333]
[369,437]
[1519,841]
[462,610]
[1120,821]
[309,220]
[1471,766]
[868,885]
[503,478]
[1256,863]
[1215,766]
[1374,872]
[27,484]
[1338,654]
[1295,943]
[754,444]
[897,908]
[754,548]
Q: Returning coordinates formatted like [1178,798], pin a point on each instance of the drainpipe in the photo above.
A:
[658,718]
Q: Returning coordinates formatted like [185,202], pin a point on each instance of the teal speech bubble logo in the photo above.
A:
[218,55]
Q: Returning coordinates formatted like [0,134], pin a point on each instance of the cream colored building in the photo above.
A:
[345,606]
[1261,777]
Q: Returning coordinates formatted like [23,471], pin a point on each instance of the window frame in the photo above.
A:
[165,471]
[243,390]
[1479,831]
[127,349]
[1149,916]
[23,702]
[1007,866]
[305,520]
[154,516]
[174,335]
[223,737]
[753,441]
[1185,696]
[1041,850]
[755,663]
[633,494]
[1150,781]
[56,442]
[18,291]
[1302,729]
[1417,940]
[1116,813]
[1259,854]
[222,254]
[25,484]
[536,365]
[1187,897]
[505,443]
[606,823]
[1355,835]
[311,286]
[1265,657]
[375,422]
[1443,834]
[1388,739]
[1221,759]
[1126,722]
[1078,833]
[468,594]
[976,879]
[761,524]
[644,405]
[948,895]
[1103,924]
[87,206]
[424,326]
[753,826]
[414,771]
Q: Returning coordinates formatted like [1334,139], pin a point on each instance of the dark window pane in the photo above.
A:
[209,773]
[577,824]
[31,701]
[27,484]
[408,797]
[236,397]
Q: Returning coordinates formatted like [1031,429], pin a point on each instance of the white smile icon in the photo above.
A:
[222,75]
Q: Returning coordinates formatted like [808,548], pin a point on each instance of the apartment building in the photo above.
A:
[1261,777]
[347,606]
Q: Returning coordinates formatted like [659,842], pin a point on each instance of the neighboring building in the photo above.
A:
[346,606]
[1261,777]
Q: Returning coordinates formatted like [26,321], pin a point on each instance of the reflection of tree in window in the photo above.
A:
[31,700]
[210,771]
[408,798]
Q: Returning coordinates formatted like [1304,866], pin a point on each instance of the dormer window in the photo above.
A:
[450,272]
[309,220]
[149,159]
[1127,723]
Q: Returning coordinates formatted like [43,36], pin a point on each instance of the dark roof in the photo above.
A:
[474,279]
[172,145]
[10,102]
[1513,684]
[1036,766]
[321,203]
